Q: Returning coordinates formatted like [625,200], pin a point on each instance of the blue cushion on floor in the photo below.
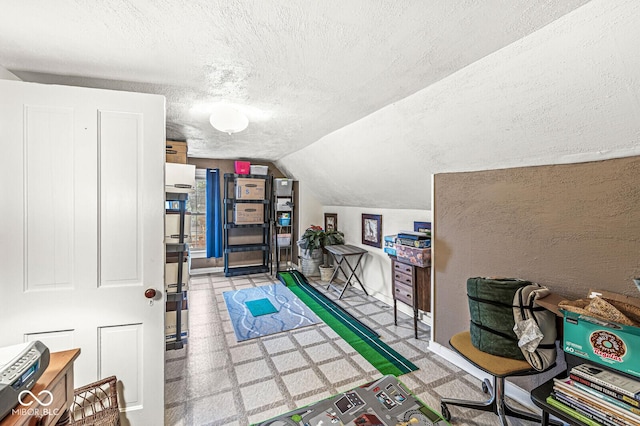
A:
[260,307]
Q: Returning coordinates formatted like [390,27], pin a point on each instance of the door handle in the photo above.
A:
[150,293]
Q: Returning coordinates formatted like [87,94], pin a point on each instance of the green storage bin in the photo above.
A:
[491,310]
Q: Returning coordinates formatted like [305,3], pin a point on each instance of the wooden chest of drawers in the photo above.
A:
[412,286]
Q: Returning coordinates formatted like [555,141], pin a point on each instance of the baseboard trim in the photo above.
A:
[201,271]
[423,317]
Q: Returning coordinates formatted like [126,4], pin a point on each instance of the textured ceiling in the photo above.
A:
[300,70]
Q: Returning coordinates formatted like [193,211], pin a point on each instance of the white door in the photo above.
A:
[81,233]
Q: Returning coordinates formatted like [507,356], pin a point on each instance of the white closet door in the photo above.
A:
[81,233]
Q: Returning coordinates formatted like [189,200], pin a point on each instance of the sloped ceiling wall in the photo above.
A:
[566,93]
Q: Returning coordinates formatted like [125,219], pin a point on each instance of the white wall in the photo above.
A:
[5,74]
[376,265]
[309,209]
[566,93]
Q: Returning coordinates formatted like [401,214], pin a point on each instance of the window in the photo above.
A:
[197,206]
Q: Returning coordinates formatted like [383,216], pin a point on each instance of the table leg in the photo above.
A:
[395,312]
[545,418]
[415,321]
[354,275]
[337,268]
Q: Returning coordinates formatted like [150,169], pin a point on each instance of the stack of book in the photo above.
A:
[414,239]
[390,244]
[596,396]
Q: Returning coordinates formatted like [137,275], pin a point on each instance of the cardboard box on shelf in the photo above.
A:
[172,227]
[603,341]
[248,213]
[176,152]
[180,177]
[171,319]
[171,277]
[250,189]
[170,329]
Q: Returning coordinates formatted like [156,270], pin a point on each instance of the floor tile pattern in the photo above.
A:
[215,380]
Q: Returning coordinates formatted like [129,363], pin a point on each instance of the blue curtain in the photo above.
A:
[214,214]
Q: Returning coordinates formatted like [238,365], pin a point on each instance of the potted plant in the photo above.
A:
[312,244]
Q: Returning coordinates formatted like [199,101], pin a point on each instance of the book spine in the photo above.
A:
[607,398]
[591,412]
[604,389]
[414,243]
[596,399]
[571,412]
[604,383]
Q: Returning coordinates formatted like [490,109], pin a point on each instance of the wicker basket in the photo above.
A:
[96,404]
[310,262]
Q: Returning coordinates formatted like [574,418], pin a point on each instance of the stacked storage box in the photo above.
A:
[180,178]
[390,244]
[171,321]
[176,152]
[247,230]
[414,247]
[284,202]
[179,182]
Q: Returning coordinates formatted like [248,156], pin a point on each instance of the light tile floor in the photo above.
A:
[215,380]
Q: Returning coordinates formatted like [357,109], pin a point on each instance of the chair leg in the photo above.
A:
[496,403]
[489,405]
[505,409]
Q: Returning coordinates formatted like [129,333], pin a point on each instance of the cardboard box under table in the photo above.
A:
[603,342]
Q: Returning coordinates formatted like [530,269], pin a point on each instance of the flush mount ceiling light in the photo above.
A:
[228,119]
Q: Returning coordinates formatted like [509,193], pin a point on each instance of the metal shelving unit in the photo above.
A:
[261,231]
[181,248]
[283,203]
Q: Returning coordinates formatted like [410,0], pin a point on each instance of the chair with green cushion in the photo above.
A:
[498,367]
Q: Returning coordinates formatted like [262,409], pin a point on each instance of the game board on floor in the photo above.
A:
[384,402]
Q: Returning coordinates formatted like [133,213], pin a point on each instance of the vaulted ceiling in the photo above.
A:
[299,70]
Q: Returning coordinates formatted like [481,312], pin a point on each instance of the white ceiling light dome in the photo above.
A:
[228,119]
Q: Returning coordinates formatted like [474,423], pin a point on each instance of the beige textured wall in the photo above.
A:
[569,227]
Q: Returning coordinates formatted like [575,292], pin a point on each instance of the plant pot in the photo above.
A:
[326,272]
[309,264]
